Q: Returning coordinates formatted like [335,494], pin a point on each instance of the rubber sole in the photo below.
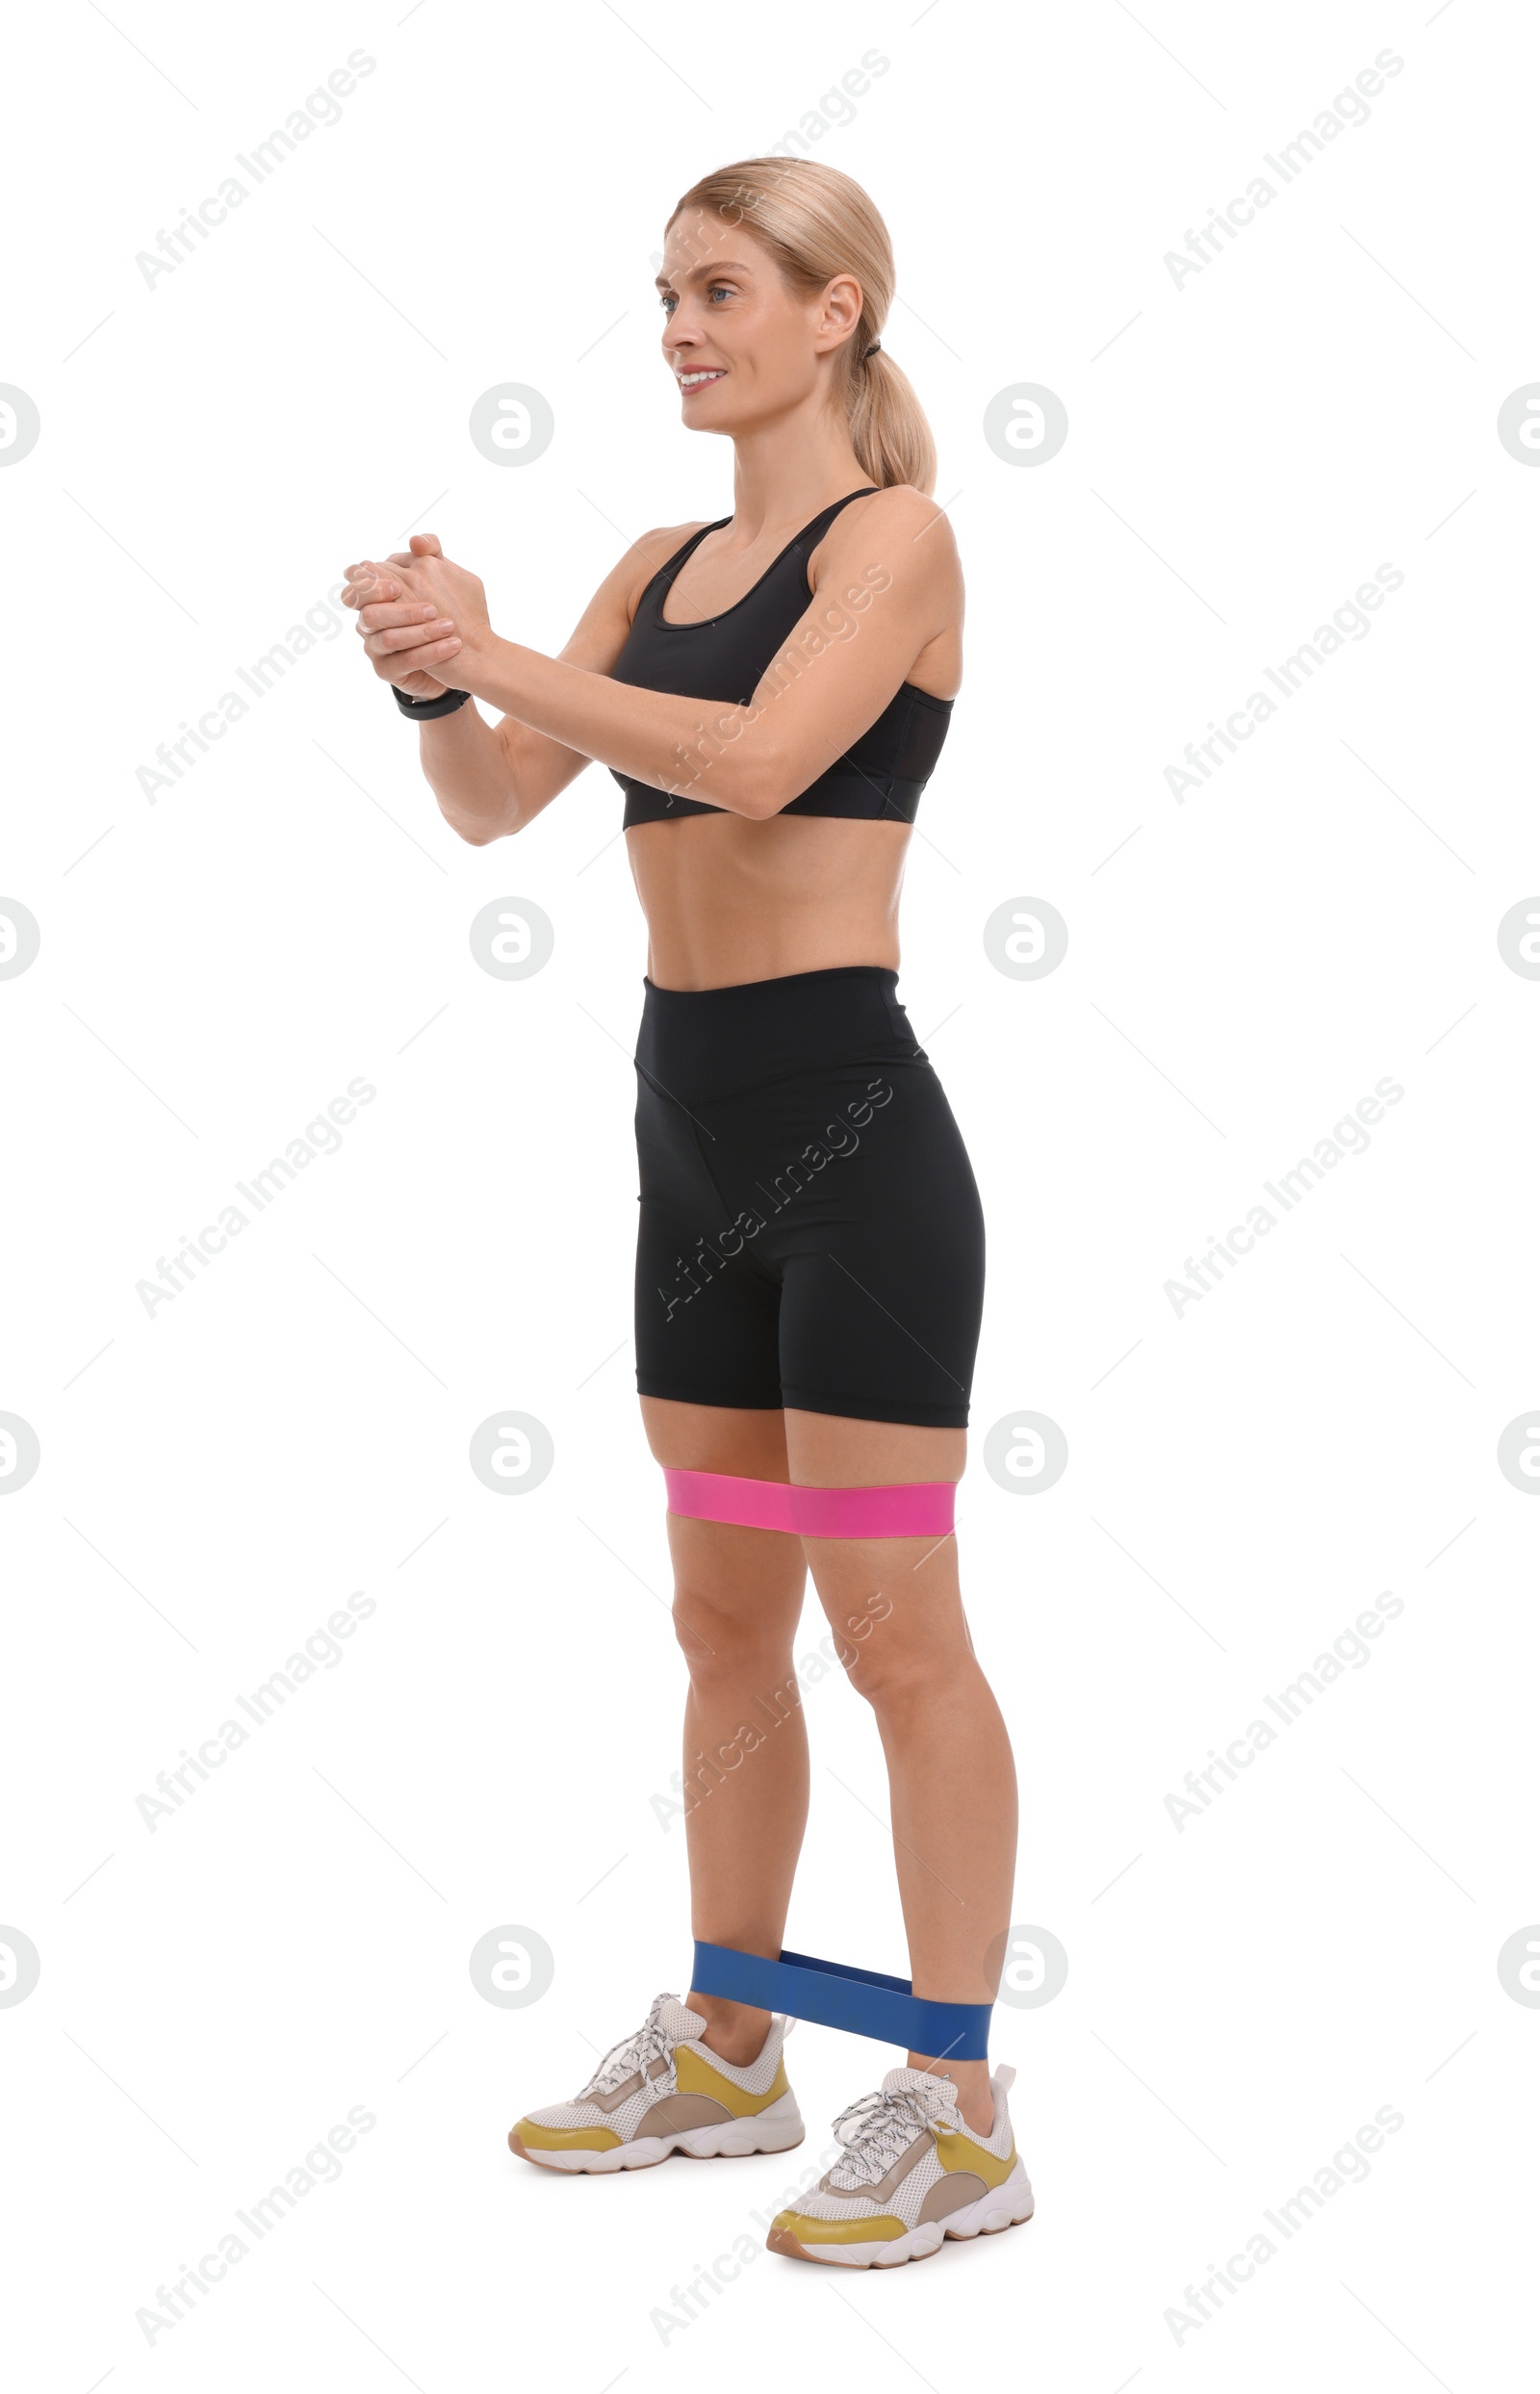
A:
[1009,2206]
[777,2130]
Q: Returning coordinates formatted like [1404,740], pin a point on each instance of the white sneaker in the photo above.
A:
[912,2173]
[662,2091]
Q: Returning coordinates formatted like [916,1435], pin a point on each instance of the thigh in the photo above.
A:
[834,1451]
[745,1443]
[894,1604]
[707,1312]
[882,1264]
[739,1593]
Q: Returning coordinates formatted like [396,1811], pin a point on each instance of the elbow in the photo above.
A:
[764,786]
[477,833]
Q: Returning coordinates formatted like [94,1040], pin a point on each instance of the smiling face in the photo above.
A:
[743,344]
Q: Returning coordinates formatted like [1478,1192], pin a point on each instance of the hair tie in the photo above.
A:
[871,353]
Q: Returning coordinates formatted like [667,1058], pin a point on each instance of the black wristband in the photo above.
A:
[425,707]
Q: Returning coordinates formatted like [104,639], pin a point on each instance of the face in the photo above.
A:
[740,343]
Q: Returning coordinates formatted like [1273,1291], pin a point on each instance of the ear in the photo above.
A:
[842,304]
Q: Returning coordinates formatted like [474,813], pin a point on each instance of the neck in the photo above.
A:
[785,473]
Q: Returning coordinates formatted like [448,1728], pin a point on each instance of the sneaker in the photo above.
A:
[912,2172]
[661,2091]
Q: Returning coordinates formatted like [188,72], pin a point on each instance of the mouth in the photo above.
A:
[696,379]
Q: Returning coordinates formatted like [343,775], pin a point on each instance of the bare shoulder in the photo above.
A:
[608,618]
[909,532]
[908,510]
[651,550]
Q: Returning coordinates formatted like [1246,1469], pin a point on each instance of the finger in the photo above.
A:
[411,637]
[438,654]
[391,644]
[375,615]
[426,545]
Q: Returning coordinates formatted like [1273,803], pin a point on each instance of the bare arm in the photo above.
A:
[889,581]
[490,780]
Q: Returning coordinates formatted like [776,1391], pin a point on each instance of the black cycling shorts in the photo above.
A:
[811,1228]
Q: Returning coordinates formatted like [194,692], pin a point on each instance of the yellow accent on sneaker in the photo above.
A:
[694,2075]
[955,2151]
[811,2231]
[596,2140]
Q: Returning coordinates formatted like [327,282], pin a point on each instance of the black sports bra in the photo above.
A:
[724,657]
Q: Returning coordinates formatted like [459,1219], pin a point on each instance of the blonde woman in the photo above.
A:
[771,690]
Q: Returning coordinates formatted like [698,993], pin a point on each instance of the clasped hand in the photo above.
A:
[417,612]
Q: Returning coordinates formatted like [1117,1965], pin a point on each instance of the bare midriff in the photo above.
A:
[727,899]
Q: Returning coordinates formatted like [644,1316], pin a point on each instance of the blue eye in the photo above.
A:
[667,302]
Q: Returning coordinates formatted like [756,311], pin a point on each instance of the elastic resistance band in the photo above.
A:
[915,1509]
[865,2002]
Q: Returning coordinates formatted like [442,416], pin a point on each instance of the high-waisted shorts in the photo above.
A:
[811,1228]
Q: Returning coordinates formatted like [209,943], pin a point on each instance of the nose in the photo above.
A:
[681,328]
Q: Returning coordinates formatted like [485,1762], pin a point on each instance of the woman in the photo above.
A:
[771,691]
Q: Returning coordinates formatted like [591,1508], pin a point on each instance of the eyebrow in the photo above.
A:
[697,274]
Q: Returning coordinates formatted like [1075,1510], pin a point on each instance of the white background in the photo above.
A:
[1243,451]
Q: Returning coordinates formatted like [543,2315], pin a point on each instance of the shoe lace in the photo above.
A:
[876,2128]
[634,2053]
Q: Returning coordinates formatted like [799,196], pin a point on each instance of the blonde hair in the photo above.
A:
[816,224]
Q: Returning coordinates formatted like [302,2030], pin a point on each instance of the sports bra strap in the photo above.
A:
[663,579]
[821,522]
[667,574]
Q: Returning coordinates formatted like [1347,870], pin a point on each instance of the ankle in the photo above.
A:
[980,2116]
[974,2095]
[732,2030]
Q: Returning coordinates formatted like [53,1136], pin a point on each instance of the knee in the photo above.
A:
[894,1685]
[886,1658]
[903,1679]
[721,1645]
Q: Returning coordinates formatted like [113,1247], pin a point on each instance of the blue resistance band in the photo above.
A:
[865,2002]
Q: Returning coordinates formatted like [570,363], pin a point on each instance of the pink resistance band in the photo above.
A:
[916,1509]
